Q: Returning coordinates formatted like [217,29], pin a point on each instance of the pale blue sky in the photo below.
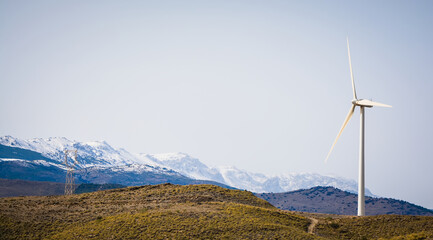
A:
[261,85]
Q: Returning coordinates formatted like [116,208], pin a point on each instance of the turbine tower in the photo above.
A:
[362,104]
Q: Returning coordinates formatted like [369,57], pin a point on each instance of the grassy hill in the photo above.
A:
[186,212]
[17,187]
[335,201]
[376,227]
[149,212]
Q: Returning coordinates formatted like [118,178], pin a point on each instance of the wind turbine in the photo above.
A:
[361,103]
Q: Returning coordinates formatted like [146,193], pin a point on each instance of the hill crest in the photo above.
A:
[332,200]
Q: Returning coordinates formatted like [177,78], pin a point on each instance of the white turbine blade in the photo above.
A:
[351,72]
[349,115]
[368,103]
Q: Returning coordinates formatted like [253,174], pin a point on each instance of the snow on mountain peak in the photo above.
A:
[186,165]
[96,144]
[50,145]
[175,156]
[89,153]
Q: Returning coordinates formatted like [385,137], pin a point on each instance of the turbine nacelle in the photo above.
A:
[368,103]
[356,103]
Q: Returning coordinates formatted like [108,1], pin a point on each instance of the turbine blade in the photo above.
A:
[368,103]
[349,115]
[351,72]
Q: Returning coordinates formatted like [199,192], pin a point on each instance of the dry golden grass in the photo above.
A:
[162,211]
[377,227]
[187,212]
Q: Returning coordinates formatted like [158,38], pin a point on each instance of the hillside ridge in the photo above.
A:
[330,200]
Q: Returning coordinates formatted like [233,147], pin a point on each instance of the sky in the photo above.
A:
[260,85]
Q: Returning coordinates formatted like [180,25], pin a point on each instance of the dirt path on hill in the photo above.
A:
[312,225]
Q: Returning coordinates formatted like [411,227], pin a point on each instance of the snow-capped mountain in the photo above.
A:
[255,182]
[185,164]
[100,158]
[89,153]
[16,162]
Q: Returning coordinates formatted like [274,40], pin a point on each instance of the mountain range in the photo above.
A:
[98,162]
